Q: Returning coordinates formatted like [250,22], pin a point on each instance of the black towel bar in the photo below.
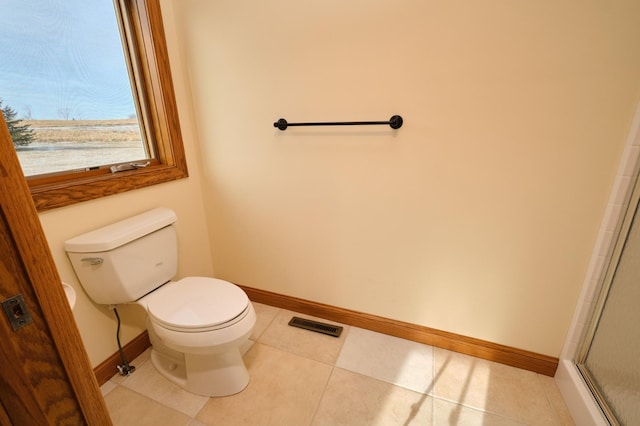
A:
[395,122]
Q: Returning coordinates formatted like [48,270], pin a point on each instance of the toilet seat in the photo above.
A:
[197,304]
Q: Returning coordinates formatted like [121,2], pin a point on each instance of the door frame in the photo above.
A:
[46,376]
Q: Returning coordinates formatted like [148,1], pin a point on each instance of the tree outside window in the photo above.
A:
[21,134]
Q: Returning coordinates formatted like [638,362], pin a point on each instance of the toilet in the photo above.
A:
[196,325]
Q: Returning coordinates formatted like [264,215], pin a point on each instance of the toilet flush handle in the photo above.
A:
[93,261]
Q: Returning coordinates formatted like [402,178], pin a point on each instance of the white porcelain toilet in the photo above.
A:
[196,325]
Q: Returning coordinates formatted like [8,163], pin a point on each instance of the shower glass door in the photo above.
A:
[610,359]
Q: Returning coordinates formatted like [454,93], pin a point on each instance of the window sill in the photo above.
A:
[48,196]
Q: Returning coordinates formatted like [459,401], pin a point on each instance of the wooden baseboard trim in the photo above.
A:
[514,357]
[483,349]
[106,369]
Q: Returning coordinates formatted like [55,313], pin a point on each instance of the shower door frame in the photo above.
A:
[609,274]
[583,405]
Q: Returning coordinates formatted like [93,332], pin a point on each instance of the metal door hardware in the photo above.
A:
[17,312]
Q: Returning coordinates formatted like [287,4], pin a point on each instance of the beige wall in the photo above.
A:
[478,216]
[96,322]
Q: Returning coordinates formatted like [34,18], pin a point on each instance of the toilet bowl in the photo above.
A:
[207,320]
[196,325]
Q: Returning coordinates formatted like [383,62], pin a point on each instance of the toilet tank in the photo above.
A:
[121,262]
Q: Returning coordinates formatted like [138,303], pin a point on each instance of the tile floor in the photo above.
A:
[299,377]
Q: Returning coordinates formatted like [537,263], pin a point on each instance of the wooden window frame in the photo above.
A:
[150,63]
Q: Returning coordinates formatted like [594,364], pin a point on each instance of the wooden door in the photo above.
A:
[45,375]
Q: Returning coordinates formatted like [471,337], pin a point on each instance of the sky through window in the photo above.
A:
[63,60]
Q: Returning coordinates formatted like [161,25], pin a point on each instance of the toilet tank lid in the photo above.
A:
[117,234]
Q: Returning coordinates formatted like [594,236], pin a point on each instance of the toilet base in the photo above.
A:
[215,375]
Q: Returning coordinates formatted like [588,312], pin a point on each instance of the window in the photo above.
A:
[145,125]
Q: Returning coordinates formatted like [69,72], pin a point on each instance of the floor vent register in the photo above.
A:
[318,327]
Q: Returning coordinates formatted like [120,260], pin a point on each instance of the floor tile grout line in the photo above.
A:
[437,372]
[552,408]
[476,409]
[326,385]
[434,379]
[329,364]
[155,401]
[322,394]
[278,310]
[125,379]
